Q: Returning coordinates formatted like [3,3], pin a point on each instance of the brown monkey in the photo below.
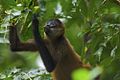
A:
[57,54]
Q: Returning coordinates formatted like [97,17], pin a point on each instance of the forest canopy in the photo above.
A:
[92,26]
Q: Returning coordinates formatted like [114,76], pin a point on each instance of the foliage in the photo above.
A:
[84,74]
[92,26]
[18,74]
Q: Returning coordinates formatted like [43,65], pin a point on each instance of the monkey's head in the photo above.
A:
[54,29]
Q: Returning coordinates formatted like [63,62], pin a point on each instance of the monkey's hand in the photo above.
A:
[13,37]
[45,55]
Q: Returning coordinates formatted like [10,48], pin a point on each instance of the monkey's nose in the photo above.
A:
[46,29]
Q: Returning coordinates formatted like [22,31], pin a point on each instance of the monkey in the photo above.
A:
[58,55]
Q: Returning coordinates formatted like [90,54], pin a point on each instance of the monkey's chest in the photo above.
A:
[56,52]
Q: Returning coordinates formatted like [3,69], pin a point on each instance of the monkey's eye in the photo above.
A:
[50,26]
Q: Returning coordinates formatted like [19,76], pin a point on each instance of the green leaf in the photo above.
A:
[94,73]
[7,4]
[81,74]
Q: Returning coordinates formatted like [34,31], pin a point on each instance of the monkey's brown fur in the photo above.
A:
[64,56]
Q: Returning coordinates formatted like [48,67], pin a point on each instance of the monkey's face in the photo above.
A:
[54,28]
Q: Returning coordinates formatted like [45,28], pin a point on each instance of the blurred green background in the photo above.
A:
[92,26]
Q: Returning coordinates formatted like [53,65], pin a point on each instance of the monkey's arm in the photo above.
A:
[16,44]
[45,55]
